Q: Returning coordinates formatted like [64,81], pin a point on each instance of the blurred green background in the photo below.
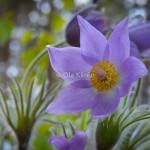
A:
[27,26]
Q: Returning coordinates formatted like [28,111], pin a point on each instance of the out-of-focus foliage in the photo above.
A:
[1,136]
[26,27]
[23,108]
[26,37]
[6,26]
[68,4]
[57,22]
[124,129]
[43,135]
[136,137]
[31,52]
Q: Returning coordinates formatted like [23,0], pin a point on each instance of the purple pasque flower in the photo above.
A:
[95,18]
[106,69]
[140,39]
[78,142]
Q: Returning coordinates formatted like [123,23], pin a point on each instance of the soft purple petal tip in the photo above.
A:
[59,142]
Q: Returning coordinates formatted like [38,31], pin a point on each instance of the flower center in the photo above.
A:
[104,76]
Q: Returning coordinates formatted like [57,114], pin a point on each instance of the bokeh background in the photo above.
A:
[27,26]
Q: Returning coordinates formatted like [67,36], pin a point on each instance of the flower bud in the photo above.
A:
[140,35]
[95,18]
[107,134]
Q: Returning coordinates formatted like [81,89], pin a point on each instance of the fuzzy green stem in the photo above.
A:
[23,131]
[85,116]
[29,99]
[7,114]
[107,134]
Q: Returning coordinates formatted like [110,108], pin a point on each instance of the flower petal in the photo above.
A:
[72,100]
[72,29]
[140,34]
[105,103]
[130,71]
[79,141]
[146,53]
[119,45]
[92,42]
[85,12]
[134,50]
[82,84]
[68,63]
[97,20]
[59,142]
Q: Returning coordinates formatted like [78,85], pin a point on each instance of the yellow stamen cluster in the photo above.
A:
[109,81]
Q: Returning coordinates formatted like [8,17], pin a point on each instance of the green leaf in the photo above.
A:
[135,115]
[136,137]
